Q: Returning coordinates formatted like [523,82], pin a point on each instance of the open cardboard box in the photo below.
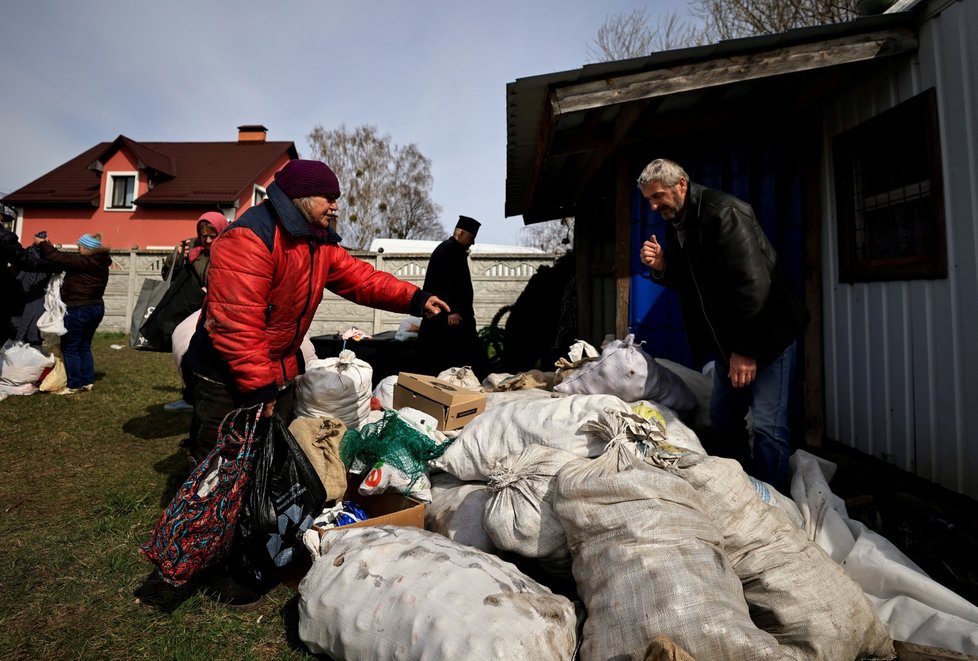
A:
[451,407]
[388,508]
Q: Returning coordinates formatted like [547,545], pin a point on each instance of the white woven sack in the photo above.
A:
[52,320]
[384,392]
[455,511]
[461,377]
[796,592]
[625,370]
[507,429]
[519,515]
[494,399]
[392,592]
[648,561]
[335,387]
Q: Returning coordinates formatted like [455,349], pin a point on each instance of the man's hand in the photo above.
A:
[454,319]
[743,370]
[268,409]
[435,305]
[652,254]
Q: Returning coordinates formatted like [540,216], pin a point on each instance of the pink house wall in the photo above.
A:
[123,230]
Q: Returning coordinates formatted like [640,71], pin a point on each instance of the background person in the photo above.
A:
[452,340]
[737,307]
[196,252]
[86,276]
[16,259]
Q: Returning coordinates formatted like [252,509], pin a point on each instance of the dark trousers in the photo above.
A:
[212,402]
[76,343]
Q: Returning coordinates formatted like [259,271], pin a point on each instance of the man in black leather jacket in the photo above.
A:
[737,307]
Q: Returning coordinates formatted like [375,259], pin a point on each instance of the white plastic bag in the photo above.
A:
[21,368]
[335,387]
[52,320]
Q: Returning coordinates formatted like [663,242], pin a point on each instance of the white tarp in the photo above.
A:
[914,607]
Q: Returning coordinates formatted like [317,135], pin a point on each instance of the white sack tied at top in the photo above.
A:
[625,370]
[647,560]
[508,428]
[336,387]
[519,515]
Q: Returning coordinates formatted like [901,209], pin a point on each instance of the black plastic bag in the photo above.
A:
[286,495]
[183,297]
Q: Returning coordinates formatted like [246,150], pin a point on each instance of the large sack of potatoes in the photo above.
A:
[394,592]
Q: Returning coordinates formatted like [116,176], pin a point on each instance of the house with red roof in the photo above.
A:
[141,195]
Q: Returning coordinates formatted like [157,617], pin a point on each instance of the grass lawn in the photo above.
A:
[84,479]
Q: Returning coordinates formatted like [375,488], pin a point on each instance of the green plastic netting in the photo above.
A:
[393,441]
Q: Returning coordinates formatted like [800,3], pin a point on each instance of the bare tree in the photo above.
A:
[551,236]
[731,19]
[624,36]
[633,34]
[386,187]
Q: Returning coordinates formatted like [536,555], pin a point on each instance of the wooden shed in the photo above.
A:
[857,145]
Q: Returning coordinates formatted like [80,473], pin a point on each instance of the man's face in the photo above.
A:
[464,237]
[667,200]
[322,211]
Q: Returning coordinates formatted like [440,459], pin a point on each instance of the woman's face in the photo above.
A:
[206,233]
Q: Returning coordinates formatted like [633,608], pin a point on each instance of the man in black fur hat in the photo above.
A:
[451,340]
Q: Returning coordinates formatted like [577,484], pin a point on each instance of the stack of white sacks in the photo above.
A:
[598,485]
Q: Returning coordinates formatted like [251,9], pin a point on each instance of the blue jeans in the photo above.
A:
[768,397]
[76,344]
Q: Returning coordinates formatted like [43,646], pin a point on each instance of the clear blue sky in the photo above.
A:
[429,72]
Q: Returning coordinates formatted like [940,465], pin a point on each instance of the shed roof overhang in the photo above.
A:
[562,128]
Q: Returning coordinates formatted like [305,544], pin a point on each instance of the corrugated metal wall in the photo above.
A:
[901,358]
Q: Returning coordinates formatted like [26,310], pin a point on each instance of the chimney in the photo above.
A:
[252,133]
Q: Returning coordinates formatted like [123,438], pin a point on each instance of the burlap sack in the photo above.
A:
[320,439]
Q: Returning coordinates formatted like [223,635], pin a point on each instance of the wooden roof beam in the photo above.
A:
[723,71]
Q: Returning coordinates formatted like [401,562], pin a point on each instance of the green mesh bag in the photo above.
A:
[390,440]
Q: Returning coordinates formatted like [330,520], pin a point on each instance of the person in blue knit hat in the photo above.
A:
[86,276]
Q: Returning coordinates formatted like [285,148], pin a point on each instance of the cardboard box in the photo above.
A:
[388,508]
[451,407]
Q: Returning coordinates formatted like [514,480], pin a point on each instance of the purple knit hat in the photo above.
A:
[302,178]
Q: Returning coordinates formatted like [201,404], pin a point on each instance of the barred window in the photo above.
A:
[889,195]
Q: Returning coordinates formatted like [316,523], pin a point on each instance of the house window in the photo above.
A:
[258,196]
[889,195]
[121,191]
